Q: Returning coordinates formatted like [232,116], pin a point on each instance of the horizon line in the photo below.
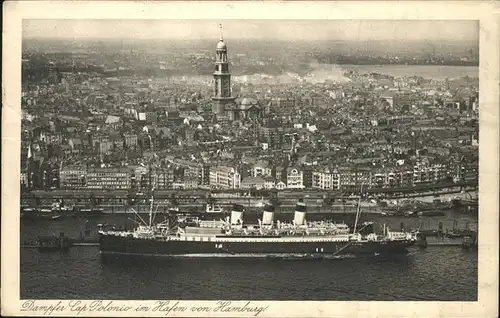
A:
[246,38]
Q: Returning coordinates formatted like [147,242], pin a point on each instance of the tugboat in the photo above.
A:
[59,210]
[53,243]
[34,214]
[460,233]
[469,242]
[269,238]
[28,213]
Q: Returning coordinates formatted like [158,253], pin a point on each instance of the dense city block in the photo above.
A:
[96,119]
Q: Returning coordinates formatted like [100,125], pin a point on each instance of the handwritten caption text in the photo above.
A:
[165,307]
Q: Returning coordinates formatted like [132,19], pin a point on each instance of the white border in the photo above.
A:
[486,12]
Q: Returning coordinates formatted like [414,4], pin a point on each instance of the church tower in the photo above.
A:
[222,78]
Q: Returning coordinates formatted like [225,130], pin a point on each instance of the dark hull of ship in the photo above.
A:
[116,245]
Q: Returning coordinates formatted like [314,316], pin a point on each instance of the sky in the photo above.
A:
[255,29]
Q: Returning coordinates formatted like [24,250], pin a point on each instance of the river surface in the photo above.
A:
[436,273]
[437,72]
[320,73]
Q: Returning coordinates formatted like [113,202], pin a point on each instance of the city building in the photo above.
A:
[162,177]
[108,178]
[308,177]
[253,183]
[294,178]
[130,140]
[269,183]
[280,185]
[375,131]
[191,169]
[223,177]
[425,172]
[73,177]
[51,138]
[352,178]
[54,74]
[323,179]
[274,137]
[261,168]
[245,108]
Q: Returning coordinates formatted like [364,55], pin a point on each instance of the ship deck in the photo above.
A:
[262,239]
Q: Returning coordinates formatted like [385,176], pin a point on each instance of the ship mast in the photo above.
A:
[152,190]
[358,210]
[151,206]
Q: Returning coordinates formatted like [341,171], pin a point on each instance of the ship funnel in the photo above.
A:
[237,214]
[268,215]
[300,213]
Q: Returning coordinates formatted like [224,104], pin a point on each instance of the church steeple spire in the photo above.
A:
[222,78]
[221,46]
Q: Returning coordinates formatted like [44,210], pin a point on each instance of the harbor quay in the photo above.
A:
[288,205]
[225,208]
[428,190]
[196,201]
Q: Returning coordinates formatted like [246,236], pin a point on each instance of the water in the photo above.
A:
[321,72]
[426,71]
[436,273]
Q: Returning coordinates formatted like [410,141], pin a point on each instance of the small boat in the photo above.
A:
[460,232]
[39,214]
[453,235]
[109,227]
[410,214]
[392,213]
[430,213]
[260,204]
[212,208]
[90,212]
[173,210]
[429,232]
[28,213]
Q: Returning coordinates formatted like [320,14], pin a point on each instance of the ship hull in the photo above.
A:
[116,245]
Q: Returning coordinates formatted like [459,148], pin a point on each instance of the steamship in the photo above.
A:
[189,236]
